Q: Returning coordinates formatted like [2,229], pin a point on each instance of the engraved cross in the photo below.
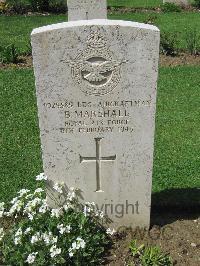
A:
[98,159]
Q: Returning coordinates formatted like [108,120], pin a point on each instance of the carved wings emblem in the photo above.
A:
[96,71]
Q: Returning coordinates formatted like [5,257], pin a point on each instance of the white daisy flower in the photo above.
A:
[54,251]
[71,254]
[39,190]
[41,177]
[31,257]
[1,233]
[58,187]
[35,238]
[110,232]
[19,232]
[56,213]
[17,240]
[2,209]
[64,229]
[28,230]
[23,192]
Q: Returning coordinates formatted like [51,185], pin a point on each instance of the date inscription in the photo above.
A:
[84,117]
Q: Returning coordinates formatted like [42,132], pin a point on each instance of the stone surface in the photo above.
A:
[96,93]
[177,2]
[86,9]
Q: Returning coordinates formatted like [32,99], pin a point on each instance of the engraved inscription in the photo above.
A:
[98,159]
[86,117]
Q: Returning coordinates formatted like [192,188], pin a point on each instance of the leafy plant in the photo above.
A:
[18,6]
[197,3]
[3,7]
[149,256]
[71,234]
[28,49]
[9,54]
[135,251]
[152,256]
[170,7]
[40,5]
[168,43]
[192,41]
[58,6]
[151,19]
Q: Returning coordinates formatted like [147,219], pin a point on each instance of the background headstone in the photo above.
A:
[177,2]
[87,9]
[96,94]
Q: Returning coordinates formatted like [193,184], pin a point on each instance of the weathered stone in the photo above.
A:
[177,2]
[86,9]
[96,93]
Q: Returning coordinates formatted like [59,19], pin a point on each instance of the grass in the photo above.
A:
[177,159]
[179,23]
[122,3]
[17,29]
[20,158]
[135,3]
[138,3]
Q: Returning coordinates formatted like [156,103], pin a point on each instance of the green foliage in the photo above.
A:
[193,41]
[153,256]
[135,250]
[135,3]
[17,29]
[168,43]
[23,6]
[28,50]
[71,234]
[3,7]
[40,5]
[9,54]
[197,3]
[151,19]
[18,6]
[149,256]
[58,6]
[170,7]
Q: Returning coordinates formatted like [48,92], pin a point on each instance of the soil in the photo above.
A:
[128,10]
[181,60]
[23,62]
[177,236]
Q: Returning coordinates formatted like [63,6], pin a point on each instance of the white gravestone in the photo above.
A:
[87,9]
[96,94]
[177,2]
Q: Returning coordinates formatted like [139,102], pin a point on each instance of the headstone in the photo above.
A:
[96,95]
[87,9]
[177,2]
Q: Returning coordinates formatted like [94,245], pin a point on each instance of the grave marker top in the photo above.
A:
[177,2]
[86,9]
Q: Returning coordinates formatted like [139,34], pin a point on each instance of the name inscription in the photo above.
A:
[97,117]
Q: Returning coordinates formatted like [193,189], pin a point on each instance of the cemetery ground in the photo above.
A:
[175,222]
